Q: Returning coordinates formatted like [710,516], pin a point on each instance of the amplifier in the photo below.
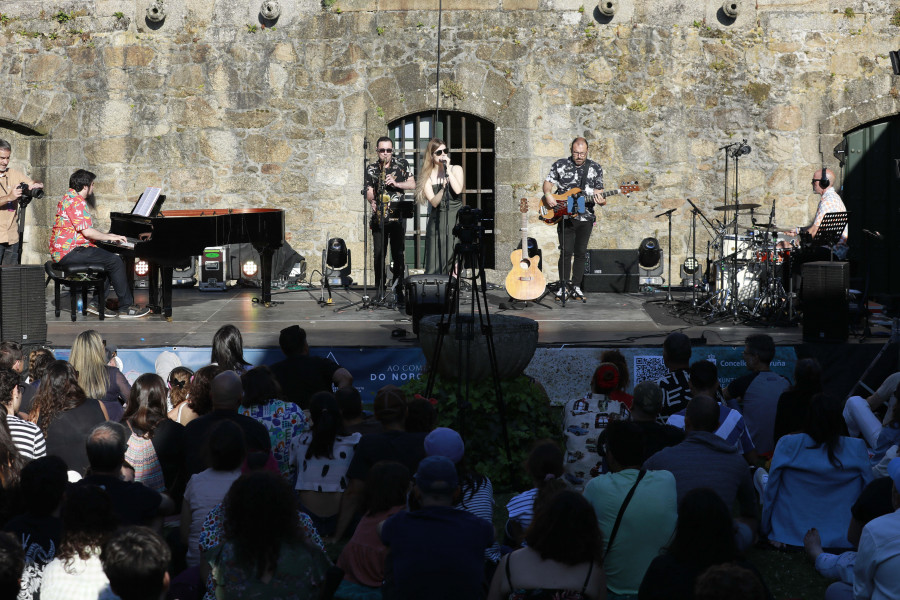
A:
[426,295]
[823,292]
[615,271]
[23,305]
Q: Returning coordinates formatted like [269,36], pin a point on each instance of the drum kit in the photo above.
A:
[748,268]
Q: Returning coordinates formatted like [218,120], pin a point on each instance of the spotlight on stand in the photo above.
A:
[249,269]
[141,274]
[691,272]
[185,276]
[650,263]
[335,267]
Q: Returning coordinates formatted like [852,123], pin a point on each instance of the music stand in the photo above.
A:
[830,230]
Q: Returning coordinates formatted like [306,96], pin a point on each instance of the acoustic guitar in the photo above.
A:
[525,280]
[552,216]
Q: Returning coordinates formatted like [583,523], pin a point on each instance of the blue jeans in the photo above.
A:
[115,270]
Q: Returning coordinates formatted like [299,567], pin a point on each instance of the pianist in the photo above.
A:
[72,241]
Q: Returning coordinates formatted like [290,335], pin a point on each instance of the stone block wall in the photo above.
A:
[223,108]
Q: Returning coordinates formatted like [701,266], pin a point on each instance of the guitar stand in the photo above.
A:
[511,303]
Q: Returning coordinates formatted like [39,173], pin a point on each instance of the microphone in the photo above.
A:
[742,149]
[873,234]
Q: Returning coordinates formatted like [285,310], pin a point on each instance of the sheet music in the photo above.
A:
[147,201]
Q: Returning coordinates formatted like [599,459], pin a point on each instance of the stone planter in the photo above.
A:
[515,340]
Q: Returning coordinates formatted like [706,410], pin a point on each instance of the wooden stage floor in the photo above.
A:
[620,320]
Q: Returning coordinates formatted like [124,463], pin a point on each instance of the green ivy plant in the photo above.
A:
[529,417]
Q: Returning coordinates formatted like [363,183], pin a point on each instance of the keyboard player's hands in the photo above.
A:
[116,239]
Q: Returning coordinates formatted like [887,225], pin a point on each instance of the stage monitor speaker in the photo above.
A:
[426,295]
[823,292]
[23,305]
[611,271]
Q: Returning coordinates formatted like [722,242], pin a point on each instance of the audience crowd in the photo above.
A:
[227,482]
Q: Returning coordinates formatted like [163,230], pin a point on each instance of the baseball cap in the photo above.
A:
[605,379]
[648,397]
[436,474]
[443,441]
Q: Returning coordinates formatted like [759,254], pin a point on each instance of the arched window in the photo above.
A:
[471,143]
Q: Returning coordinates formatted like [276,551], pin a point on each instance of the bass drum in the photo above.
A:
[748,279]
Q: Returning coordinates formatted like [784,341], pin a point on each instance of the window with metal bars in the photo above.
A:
[470,140]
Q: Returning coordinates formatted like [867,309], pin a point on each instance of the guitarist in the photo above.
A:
[575,231]
[388,176]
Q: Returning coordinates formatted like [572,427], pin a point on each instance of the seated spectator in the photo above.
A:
[619,394]
[228,350]
[584,420]
[815,478]
[704,536]
[420,416]
[38,361]
[11,464]
[723,469]
[647,525]
[27,436]
[226,452]
[394,443]
[66,415]
[675,387]
[321,458]
[437,551]
[135,560]
[862,422]
[562,558]
[877,569]
[476,492]
[199,398]
[794,401]
[76,571]
[132,503]
[362,559]
[12,565]
[350,402]
[99,380]
[283,420]
[729,581]
[178,383]
[756,395]
[226,393]
[39,529]
[301,375]
[155,443]
[545,468]
[264,552]
[704,381]
[645,414]
[12,357]
[874,502]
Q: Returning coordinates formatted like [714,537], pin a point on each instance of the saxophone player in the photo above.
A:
[386,180]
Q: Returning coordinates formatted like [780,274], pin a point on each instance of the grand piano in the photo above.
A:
[169,240]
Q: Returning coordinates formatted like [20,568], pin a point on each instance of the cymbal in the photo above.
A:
[773,226]
[736,207]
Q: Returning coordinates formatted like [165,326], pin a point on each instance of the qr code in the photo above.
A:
[649,368]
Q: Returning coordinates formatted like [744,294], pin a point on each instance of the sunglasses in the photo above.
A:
[440,152]
[385,151]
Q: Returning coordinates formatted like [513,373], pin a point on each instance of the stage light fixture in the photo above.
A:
[249,268]
[335,267]
[650,262]
[141,272]
[691,272]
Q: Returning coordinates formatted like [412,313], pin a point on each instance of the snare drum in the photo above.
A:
[743,246]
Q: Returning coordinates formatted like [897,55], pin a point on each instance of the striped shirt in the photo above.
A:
[676,389]
[521,508]
[732,428]
[27,437]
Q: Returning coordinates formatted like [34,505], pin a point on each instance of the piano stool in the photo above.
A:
[79,278]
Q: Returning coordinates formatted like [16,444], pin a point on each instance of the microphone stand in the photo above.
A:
[694,212]
[668,215]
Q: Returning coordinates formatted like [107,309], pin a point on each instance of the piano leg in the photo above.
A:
[167,292]
[265,275]
[153,289]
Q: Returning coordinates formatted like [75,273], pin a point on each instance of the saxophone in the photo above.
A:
[382,201]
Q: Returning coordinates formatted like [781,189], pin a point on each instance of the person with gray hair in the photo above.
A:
[133,503]
[11,192]
[648,401]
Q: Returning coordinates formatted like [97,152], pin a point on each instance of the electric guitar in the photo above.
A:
[525,280]
[565,202]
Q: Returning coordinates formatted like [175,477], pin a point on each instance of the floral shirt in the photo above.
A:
[399,168]
[565,175]
[72,217]
[285,421]
[212,535]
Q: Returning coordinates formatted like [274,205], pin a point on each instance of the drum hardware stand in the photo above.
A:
[668,215]
[695,210]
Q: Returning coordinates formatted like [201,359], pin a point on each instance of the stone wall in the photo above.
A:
[224,108]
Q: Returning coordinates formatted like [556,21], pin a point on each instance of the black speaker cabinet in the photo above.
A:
[426,295]
[611,271]
[823,292]
[23,305]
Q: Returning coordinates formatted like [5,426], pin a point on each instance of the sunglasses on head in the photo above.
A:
[440,152]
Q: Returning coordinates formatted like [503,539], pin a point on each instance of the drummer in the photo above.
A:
[829,202]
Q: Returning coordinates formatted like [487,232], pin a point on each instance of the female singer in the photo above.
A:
[441,185]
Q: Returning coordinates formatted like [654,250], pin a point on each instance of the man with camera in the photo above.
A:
[72,242]
[13,186]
